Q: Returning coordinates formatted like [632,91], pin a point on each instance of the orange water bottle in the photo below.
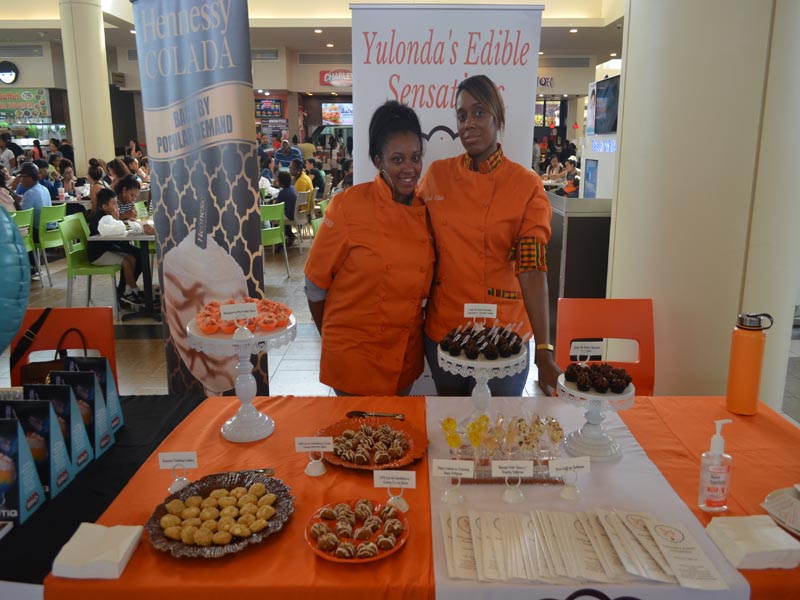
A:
[747,354]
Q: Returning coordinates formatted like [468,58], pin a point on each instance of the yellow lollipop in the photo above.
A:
[449,425]
[453,439]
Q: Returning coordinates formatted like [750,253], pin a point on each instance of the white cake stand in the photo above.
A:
[591,439]
[483,371]
[248,424]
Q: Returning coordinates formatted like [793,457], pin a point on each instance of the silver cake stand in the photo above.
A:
[483,371]
[592,440]
[248,424]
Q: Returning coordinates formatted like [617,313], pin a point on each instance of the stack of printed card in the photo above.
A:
[607,546]
[754,542]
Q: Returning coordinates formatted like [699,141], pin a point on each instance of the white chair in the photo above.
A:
[328,187]
[300,219]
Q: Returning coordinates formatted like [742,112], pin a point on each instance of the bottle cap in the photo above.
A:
[717,441]
[753,321]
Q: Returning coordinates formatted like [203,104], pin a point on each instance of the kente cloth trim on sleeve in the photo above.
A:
[530,254]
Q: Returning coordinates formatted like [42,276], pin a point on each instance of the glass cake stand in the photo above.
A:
[591,439]
[483,371]
[248,424]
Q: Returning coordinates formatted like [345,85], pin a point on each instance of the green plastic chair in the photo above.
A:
[322,206]
[274,234]
[315,225]
[24,220]
[49,238]
[74,238]
[81,218]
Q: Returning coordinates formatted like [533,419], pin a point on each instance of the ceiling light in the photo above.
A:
[309,94]
[541,95]
[133,31]
[334,94]
[318,31]
[540,52]
[260,91]
[329,45]
[613,54]
[266,93]
[573,30]
[565,95]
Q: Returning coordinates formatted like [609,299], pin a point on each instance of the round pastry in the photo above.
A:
[318,530]
[362,511]
[618,385]
[187,535]
[211,525]
[210,503]
[382,457]
[218,493]
[490,352]
[388,512]
[209,513]
[225,523]
[173,532]
[226,501]
[190,512]
[258,525]
[374,523]
[600,384]
[175,507]
[344,529]
[193,501]
[393,526]
[247,499]
[362,533]
[395,452]
[258,489]
[169,520]
[250,509]
[327,514]
[454,350]
[584,381]
[267,499]
[229,511]
[327,542]
[238,492]
[386,542]
[345,550]
[203,537]
[193,522]
[246,520]
[361,458]
[471,350]
[348,433]
[572,372]
[240,530]
[265,512]
[366,550]
[221,538]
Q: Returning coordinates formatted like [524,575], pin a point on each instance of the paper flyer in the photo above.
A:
[688,561]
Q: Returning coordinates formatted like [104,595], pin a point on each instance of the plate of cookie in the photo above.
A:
[356,531]
[220,514]
[372,443]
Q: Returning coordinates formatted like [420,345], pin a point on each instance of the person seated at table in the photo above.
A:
[35,197]
[125,254]
[52,169]
[302,182]
[133,166]
[569,177]
[144,170]
[287,195]
[8,199]
[347,169]
[95,174]
[127,190]
[316,176]
[286,154]
[555,170]
[267,166]
[44,179]
[371,266]
[67,172]
[117,169]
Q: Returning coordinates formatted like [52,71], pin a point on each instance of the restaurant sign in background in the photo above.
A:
[418,54]
[269,109]
[17,104]
[197,92]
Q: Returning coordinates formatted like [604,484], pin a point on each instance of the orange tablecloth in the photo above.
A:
[675,431]
[282,566]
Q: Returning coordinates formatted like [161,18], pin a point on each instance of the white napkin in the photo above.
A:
[97,552]
[754,542]
[108,225]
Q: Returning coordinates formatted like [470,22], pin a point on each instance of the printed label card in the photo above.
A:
[464,559]
[445,522]
[688,561]
[21,491]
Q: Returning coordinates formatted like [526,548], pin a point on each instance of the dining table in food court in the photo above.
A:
[654,429]
[144,240]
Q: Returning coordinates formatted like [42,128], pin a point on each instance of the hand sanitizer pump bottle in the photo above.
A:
[715,473]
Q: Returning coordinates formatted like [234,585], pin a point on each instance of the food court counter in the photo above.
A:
[284,566]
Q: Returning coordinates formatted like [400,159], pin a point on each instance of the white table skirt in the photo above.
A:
[632,483]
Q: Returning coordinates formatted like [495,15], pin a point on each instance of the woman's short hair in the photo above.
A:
[485,91]
[129,182]
[284,179]
[104,196]
[390,119]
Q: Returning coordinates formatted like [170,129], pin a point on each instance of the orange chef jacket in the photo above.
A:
[477,220]
[375,258]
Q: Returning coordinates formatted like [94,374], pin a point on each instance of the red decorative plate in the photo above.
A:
[315,518]
[417,442]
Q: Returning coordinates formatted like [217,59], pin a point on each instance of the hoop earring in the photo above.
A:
[387,179]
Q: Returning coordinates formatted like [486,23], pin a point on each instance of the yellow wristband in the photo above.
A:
[545,347]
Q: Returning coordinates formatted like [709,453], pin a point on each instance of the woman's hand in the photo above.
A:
[548,371]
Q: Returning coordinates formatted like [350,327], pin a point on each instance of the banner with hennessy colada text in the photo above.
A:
[417,54]
[197,92]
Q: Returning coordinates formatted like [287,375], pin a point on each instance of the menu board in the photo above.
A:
[272,108]
[25,105]
[337,114]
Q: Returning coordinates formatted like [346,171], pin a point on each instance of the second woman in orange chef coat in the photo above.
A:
[371,266]
[491,222]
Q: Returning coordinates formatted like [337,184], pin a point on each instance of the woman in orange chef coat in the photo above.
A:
[371,266]
[491,223]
